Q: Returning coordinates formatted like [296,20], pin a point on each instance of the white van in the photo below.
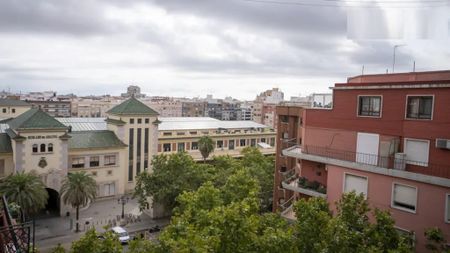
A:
[121,233]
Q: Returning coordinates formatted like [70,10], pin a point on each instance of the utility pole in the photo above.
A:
[393,58]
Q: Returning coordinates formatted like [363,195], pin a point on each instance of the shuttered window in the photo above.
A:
[404,197]
[355,183]
[447,210]
[417,152]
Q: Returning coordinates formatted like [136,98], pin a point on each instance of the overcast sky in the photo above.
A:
[232,48]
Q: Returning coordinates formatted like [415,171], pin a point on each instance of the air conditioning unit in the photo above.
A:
[399,161]
[443,143]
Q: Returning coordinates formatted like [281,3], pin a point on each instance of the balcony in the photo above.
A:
[386,165]
[302,185]
[287,210]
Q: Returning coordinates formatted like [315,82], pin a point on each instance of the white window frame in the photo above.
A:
[355,175]
[399,207]
[404,150]
[447,207]
[419,95]
[367,116]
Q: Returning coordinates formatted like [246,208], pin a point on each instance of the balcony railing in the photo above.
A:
[389,162]
[302,185]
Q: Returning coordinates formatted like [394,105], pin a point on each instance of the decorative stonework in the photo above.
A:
[42,162]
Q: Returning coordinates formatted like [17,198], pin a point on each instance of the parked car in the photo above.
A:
[122,234]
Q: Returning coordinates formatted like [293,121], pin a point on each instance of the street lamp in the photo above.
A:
[393,58]
[122,201]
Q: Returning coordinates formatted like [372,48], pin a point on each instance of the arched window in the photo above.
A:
[50,147]
[42,148]
[35,148]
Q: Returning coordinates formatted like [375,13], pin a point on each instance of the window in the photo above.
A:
[109,172]
[231,144]
[50,148]
[263,140]
[219,144]
[193,133]
[167,134]
[147,120]
[180,147]
[94,173]
[4,110]
[284,118]
[242,142]
[194,145]
[109,189]
[94,161]
[355,183]
[35,148]
[139,121]
[417,152]
[180,133]
[253,142]
[447,208]
[42,149]
[131,121]
[78,162]
[369,106]
[2,167]
[419,107]
[167,147]
[404,197]
[110,160]
[146,133]
[13,110]
[272,142]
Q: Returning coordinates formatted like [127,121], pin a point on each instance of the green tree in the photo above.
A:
[27,190]
[313,217]
[436,241]
[171,176]
[78,189]
[225,219]
[349,230]
[205,146]
[91,243]
[58,249]
[261,168]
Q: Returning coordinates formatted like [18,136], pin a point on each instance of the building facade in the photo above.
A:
[53,107]
[385,136]
[230,137]
[113,152]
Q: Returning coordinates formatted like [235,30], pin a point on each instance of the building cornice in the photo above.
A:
[392,86]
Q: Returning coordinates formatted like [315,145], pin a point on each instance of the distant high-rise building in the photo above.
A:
[133,91]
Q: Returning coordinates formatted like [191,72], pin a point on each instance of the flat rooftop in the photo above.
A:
[167,124]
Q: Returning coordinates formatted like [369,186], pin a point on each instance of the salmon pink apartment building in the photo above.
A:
[386,136]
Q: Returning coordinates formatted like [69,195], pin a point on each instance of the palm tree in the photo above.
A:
[78,189]
[27,190]
[206,146]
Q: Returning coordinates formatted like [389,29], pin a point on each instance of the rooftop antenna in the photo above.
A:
[387,71]
[362,70]
[414,66]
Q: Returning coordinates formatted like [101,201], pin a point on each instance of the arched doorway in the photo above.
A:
[52,206]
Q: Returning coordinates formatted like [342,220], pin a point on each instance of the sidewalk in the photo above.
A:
[51,231]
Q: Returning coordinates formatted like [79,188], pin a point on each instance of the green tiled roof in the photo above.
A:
[5,143]
[13,102]
[115,121]
[132,107]
[35,119]
[94,139]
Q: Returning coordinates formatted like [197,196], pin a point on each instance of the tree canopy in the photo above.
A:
[26,190]
[176,173]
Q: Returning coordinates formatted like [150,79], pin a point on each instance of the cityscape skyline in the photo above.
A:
[226,49]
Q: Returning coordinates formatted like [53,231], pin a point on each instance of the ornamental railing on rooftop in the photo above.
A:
[390,162]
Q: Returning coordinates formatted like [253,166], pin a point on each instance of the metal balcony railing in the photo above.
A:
[390,162]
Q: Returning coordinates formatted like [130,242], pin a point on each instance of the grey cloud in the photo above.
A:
[55,16]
